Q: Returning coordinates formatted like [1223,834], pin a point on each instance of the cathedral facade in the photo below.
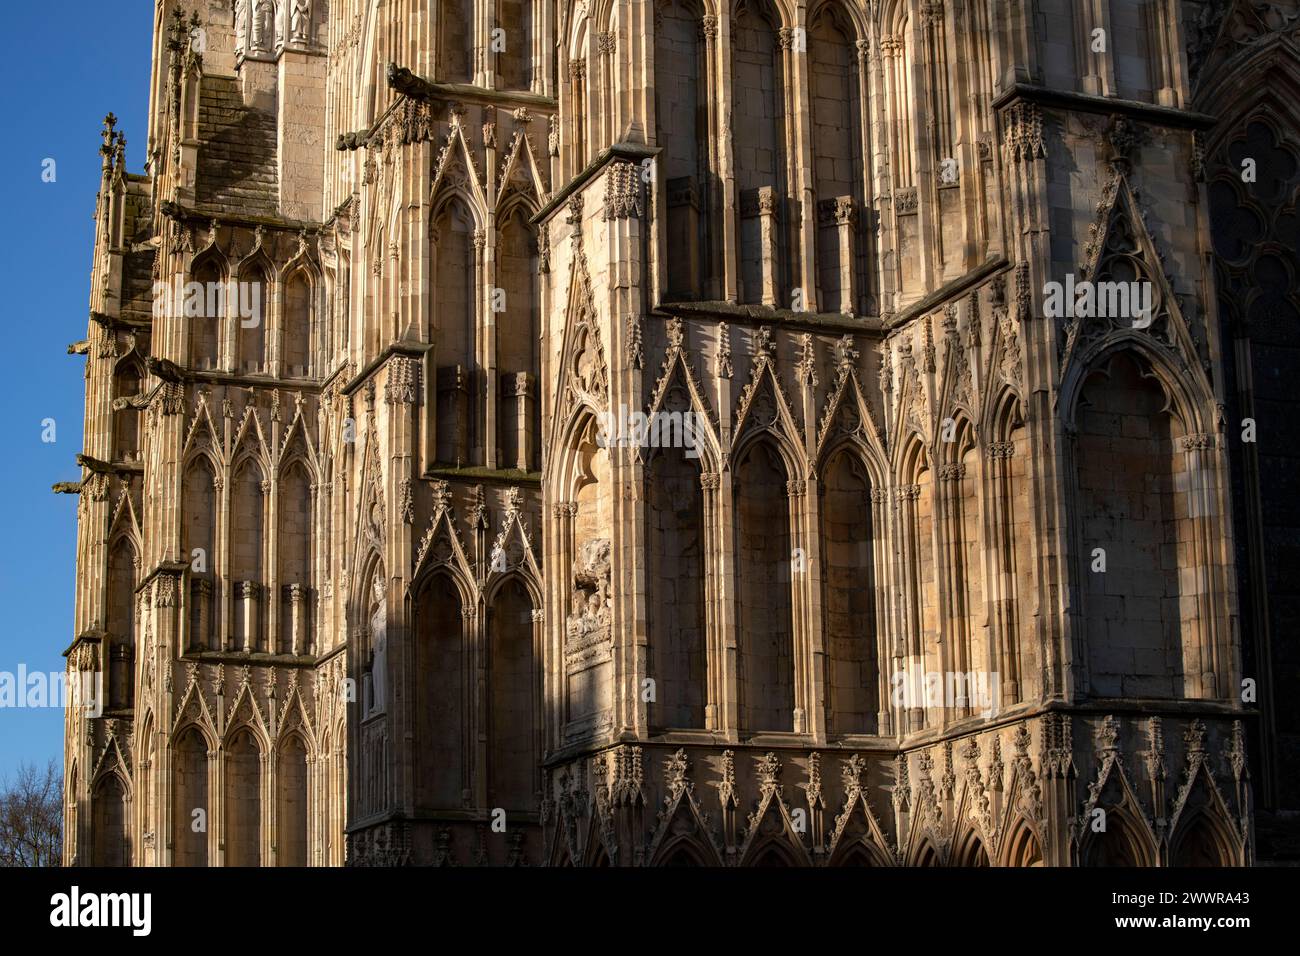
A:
[673,432]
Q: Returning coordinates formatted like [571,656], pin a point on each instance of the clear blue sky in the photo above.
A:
[63,66]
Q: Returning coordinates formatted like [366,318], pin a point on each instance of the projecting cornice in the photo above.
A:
[948,291]
[635,152]
[1169,116]
[182,214]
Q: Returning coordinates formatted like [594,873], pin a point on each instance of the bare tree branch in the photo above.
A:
[31,817]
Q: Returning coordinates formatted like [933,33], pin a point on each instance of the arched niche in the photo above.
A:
[848,596]
[441,694]
[764,581]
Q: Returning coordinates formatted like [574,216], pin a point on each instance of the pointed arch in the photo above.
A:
[442,692]
[758,130]
[969,851]
[243,780]
[296,513]
[456,48]
[298,323]
[518,348]
[514,699]
[849,594]
[255,275]
[676,604]
[1022,846]
[764,586]
[962,559]
[1012,588]
[1125,842]
[837,139]
[120,618]
[111,832]
[292,838]
[920,521]
[246,549]
[454,315]
[683,77]
[199,522]
[205,314]
[190,797]
[128,382]
[1130,500]
[1203,840]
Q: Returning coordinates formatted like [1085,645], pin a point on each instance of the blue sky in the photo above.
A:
[63,66]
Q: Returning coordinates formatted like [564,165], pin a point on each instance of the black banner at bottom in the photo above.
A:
[345,905]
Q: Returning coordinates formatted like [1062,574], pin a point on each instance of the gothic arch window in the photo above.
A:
[848,599]
[441,699]
[940,85]
[120,620]
[127,380]
[971,853]
[837,144]
[198,537]
[678,658]
[764,616]
[585,530]
[1011,592]
[682,131]
[773,855]
[205,327]
[926,856]
[71,830]
[758,131]
[374,602]
[457,48]
[896,48]
[1024,849]
[250,330]
[921,573]
[518,328]
[514,61]
[297,326]
[454,338]
[243,800]
[291,837]
[1130,476]
[1120,844]
[962,572]
[1130,49]
[856,856]
[513,705]
[1200,842]
[295,512]
[190,794]
[148,762]
[247,561]
[683,854]
[112,829]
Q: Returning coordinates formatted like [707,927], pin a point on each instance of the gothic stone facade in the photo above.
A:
[941,579]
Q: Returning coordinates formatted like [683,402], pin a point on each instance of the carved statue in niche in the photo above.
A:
[241,25]
[300,21]
[589,619]
[263,26]
[379,638]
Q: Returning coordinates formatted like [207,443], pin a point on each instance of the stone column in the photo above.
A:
[246,612]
